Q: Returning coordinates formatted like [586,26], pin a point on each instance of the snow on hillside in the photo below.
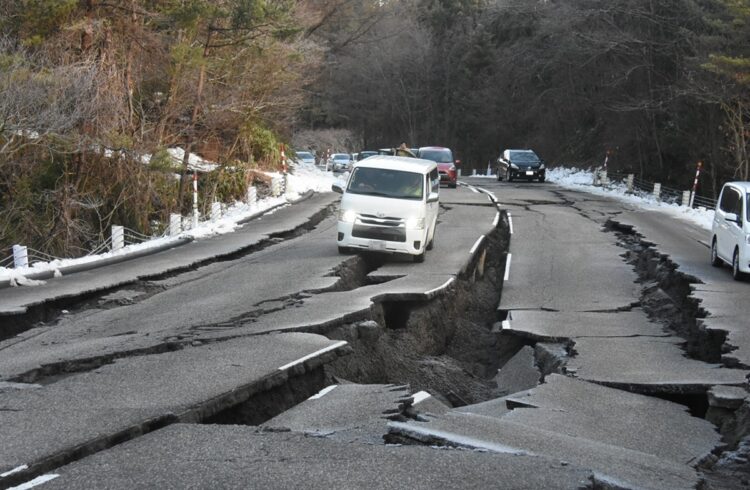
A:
[305,178]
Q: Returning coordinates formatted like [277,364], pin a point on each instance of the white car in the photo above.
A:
[341,161]
[305,157]
[730,232]
[389,204]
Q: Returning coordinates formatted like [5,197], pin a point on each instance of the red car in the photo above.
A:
[445,163]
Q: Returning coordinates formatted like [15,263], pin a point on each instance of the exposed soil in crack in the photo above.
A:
[445,345]
[666,296]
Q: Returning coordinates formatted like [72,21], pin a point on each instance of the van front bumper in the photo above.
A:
[381,238]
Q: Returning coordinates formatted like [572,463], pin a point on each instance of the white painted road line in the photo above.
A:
[36,481]
[323,392]
[507,268]
[497,219]
[314,354]
[420,396]
[510,223]
[444,285]
[474,189]
[476,245]
[14,470]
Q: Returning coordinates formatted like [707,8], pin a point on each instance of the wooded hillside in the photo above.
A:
[94,92]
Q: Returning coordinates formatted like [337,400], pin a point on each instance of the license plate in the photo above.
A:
[377,245]
[529,172]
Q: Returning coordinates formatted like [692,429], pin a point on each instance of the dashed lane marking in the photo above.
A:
[14,470]
[323,392]
[507,268]
[443,286]
[314,354]
[35,482]
[476,245]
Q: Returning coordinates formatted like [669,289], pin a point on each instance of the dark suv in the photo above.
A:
[520,164]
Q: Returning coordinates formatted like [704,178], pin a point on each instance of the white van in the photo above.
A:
[730,240]
[389,204]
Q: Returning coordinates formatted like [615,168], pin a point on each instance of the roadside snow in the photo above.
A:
[305,178]
[574,178]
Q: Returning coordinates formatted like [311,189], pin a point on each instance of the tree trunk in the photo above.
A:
[190,136]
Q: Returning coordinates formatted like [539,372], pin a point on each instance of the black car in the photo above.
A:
[520,164]
[365,153]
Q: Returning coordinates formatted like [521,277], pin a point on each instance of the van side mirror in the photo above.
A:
[433,197]
[732,217]
[336,187]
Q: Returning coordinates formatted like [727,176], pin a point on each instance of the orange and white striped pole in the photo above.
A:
[695,183]
[284,168]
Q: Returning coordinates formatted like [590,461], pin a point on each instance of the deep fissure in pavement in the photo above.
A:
[445,345]
[666,296]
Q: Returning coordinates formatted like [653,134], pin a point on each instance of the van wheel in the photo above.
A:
[418,258]
[715,260]
[432,241]
[736,274]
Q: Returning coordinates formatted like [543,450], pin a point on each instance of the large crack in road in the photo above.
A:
[451,345]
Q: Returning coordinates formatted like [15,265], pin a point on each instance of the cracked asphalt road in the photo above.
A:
[568,288]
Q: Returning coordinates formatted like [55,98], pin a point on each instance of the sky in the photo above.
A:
[310,177]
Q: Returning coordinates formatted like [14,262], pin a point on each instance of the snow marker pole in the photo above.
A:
[695,183]
[195,199]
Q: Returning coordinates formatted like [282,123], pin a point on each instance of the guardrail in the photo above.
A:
[660,192]
[120,237]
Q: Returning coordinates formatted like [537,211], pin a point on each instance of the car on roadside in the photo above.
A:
[443,157]
[730,230]
[340,162]
[389,204]
[305,157]
[365,154]
[520,164]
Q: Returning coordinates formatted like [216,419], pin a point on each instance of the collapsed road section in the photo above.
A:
[530,400]
[227,374]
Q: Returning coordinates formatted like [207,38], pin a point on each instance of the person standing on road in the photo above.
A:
[404,151]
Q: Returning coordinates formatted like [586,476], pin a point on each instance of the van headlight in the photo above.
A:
[415,223]
[347,216]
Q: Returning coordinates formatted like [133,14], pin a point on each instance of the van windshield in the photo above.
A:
[396,184]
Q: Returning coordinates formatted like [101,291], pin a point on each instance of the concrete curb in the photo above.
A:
[72,269]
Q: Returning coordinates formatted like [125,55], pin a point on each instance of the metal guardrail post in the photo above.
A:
[20,256]
[215,211]
[175,224]
[603,177]
[657,191]
[118,237]
[686,196]
[276,186]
